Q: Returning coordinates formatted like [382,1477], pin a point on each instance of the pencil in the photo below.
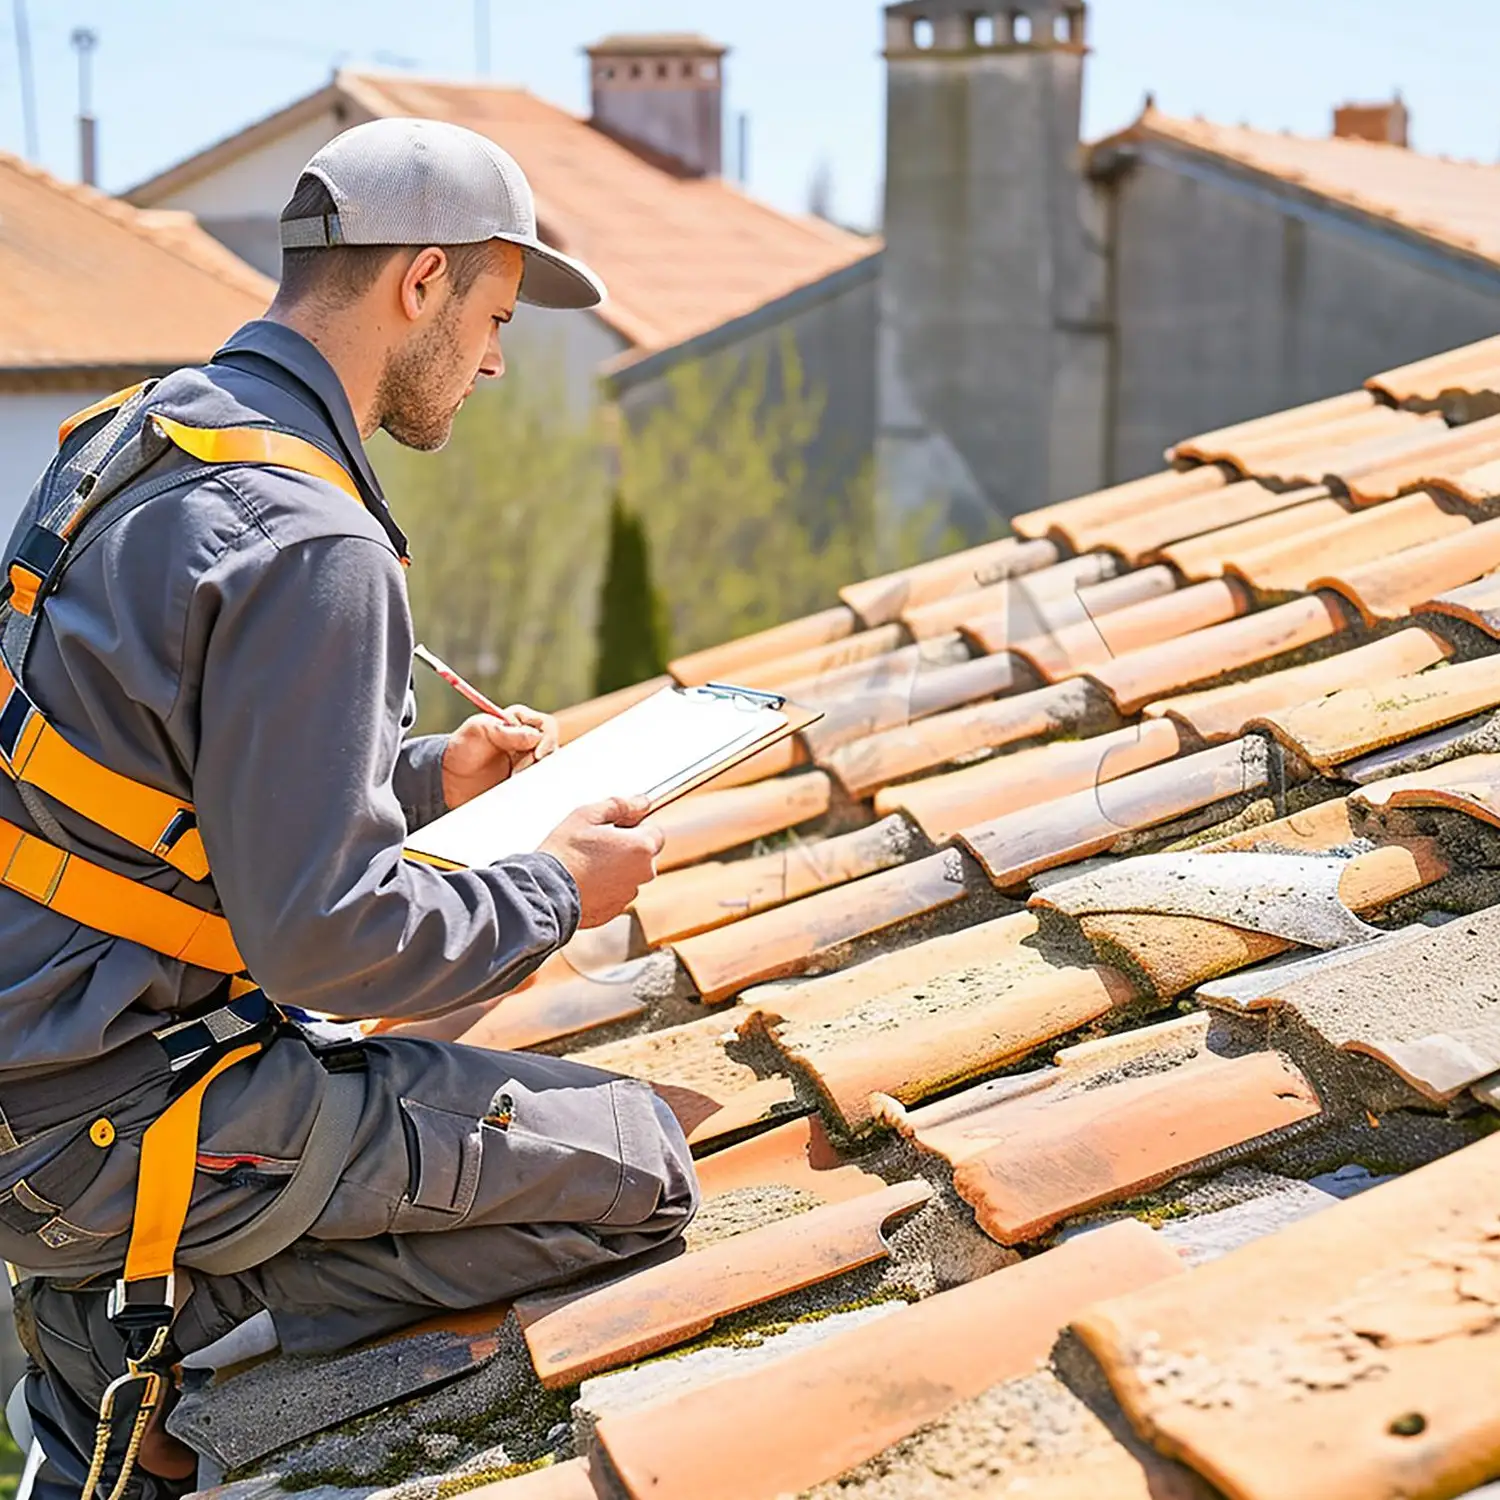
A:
[457,683]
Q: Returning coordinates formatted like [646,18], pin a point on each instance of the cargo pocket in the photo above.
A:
[443,1153]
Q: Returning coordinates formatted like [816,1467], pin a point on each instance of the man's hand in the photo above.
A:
[608,855]
[483,751]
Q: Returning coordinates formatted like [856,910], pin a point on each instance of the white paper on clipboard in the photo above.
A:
[652,749]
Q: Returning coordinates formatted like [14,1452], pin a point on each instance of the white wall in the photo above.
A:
[28,439]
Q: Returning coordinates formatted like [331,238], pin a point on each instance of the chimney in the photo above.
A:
[83,42]
[661,95]
[1386,123]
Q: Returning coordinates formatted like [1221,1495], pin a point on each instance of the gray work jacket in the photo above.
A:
[245,642]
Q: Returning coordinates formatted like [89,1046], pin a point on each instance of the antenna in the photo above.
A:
[744,147]
[28,83]
[482,38]
[83,42]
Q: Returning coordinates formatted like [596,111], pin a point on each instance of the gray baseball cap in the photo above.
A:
[426,182]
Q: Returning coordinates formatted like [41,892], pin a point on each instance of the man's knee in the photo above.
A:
[659,1186]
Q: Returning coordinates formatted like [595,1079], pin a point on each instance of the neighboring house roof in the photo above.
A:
[1264,685]
[680,255]
[1456,203]
[88,282]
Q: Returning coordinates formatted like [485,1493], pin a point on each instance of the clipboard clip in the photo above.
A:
[746,697]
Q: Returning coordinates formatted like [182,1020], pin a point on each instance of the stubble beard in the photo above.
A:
[408,398]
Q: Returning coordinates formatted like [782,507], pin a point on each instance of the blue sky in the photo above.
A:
[172,75]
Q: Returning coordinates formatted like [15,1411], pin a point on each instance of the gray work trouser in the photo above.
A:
[472,1177]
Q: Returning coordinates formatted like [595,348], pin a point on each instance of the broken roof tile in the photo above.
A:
[1024,598]
[582,717]
[788,939]
[1169,667]
[797,1155]
[1425,380]
[707,896]
[572,1334]
[866,765]
[715,819]
[1422,1000]
[1014,847]
[1222,713]
[878,601]
[1389,588]
[1088,644]
[842,1401]
[1470,784]
[723,663]
[1204,556]
[1290,565]
[1008,783]
[1477,602]
[1356,720]
[913,1044]
[1076,521]
[1028,1160]
[1277,424]
[1377,1320]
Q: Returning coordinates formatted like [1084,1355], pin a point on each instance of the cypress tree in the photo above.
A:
[632,628]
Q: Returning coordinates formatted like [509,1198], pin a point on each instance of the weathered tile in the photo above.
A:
[1454,370]
[797,1155]
[578,1333]
[713,1094]
[1360,719]
[1024,598]
[1222,713]
[840,1402]
[832,995]
[866,765]
[1204,556]
[724,663]
[1171,667]
[1014,847]
[789,938]
[1028,1160]
[1442,455]
[1138,538]
[1092,643]
[569,1480]
[1478,485]
[1280,425]
[1353,1355]
[1290,565]
[1076,520]
[878,601]
[1389,588]
[779,672]
[1007,783]
[582,717]
[913,1044]
[1470,784]
[713,820]
[562,1008]
[708,896]
[1477,602]
[1422,1000]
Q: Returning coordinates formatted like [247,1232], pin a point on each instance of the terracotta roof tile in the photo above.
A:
[814,661]
[574,1334]
[1277,425]
[787,939]
[1222,713]
[725,663]
[1204,556]
[1028,1160]
[1290,565]
[1008,783]
[1473,367]
[1360,719]
[1074,520]
[715,819]
[1389,588]
[1138,677]
[708,896]
[582,717]
[797,1155]
[1382,436]
[1142,537]
[563,1008]
[1094,643]
[865,765]
[1477,602]
[1000,629]
[1390,1295]
[1470,784]
[844,1400]
[1016,846]
[1025,598]
[89,281]
[915,1043]
[1444,456]
[877,601]
[892,674]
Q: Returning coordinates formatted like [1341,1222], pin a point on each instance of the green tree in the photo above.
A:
[632,628]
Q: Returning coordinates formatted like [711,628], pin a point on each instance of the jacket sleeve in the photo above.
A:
[419,779]
[304,672]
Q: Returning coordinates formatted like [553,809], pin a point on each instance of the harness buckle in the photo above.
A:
[33,568]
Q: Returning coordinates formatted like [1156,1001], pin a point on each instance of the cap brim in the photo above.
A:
[552,279]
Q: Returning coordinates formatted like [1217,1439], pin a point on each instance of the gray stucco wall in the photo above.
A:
[1230,304]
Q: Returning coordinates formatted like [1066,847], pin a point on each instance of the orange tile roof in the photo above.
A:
[679,255]
[1456,203]
[88,281]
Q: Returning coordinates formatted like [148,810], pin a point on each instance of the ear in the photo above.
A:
[427,267]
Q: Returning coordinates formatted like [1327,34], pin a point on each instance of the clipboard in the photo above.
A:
[661,748]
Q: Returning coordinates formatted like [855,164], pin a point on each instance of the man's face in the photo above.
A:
[453,344]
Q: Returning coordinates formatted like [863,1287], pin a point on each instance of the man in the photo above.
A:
[223,633]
